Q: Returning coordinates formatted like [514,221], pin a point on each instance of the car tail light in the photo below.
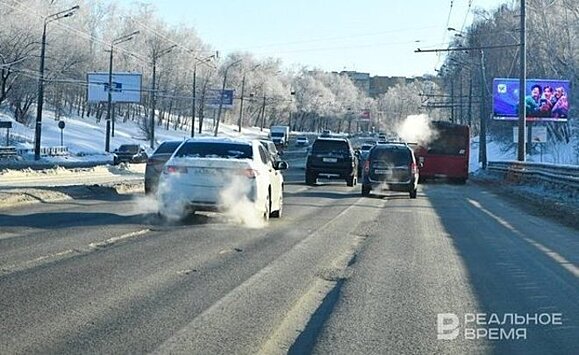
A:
[172,169]
[249,173]
[366,166]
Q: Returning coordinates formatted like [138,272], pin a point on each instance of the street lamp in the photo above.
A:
[221,96]
[156,56]
[38,131]
[108,134]
[201,61]
[242,93]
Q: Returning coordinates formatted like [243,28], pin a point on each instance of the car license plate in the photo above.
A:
[204,171]
[382,172]
[330,160]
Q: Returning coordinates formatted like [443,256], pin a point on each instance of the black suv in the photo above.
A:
[390,166]
[130,153]
[332,158]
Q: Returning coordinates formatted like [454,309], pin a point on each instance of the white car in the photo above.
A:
[302,140]
[221,174]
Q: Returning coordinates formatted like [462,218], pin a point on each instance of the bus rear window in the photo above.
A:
[448,144]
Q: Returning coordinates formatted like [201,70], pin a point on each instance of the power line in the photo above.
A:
[466,15]
[326,39]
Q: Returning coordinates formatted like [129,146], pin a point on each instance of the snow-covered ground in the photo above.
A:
[496,151]
[85,137]
[85,140]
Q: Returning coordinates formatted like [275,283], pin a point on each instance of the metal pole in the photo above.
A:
[109,104]
[522,87]
[470,100]
[483,119]
[451,100]
[460,100]
[38,131]
[153,104]
[194,100]
[263,114]
[61,137]
[241,104]
[220,103]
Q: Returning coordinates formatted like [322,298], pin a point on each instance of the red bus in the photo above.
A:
[445,156]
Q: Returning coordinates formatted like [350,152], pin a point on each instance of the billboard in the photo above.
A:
[126,87]
[214,95]
[545,100]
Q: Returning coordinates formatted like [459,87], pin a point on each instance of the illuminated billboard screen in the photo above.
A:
[545,100]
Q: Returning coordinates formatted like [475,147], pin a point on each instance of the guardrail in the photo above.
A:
[46,151]
[566,176]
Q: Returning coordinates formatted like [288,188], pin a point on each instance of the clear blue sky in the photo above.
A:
[375,36]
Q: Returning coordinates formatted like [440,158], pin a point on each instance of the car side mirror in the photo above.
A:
[280,165]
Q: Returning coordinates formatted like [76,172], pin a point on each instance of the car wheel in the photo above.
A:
[267,212]
[365,190]
[278,213]
[310,178]
[351,181]
[413,193]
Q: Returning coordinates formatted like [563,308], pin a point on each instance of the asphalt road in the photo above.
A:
[338,273]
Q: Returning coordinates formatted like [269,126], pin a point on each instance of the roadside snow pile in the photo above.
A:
[78,176]
[560,204]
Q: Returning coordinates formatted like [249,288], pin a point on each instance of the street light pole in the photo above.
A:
[483,117]
[522,87]
[239,120]
[263,113]
[109,132]
[221,96]
[40,100]
[152,127]
[155,57]
[109,103]
[194,109]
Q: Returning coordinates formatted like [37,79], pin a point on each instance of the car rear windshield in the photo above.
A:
[129,148]
[167,147]
[215,150]
[328,146]
[395,156]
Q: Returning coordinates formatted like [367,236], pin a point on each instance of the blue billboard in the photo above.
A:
[214,96]
[545,100]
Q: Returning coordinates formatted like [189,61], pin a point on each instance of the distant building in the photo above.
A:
[360,80]
[374,86]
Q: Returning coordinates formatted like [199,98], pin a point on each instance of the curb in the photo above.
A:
[16,197]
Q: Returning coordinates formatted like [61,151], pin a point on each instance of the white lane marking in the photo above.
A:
[47,258]
[573,269]
[114,240]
